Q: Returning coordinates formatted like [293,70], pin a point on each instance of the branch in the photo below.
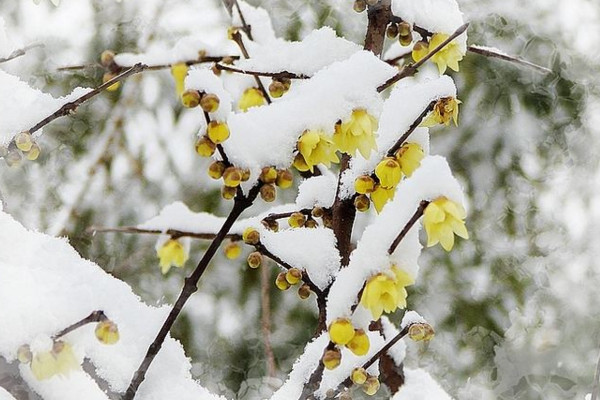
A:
[237,38]
[411,69]
[70,107]
[174,233]
[247,27]
[20,52]
[282,74]
[485,51]
[596,387]
[190,287]
[408,225]
[273,217]
[201,60]
[411,129]
[96,316]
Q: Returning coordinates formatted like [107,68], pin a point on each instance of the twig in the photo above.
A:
[274,217]
[411,129]
[247,27]
[282,74]
[408,225]
[265,320]
[410,69]
[237,38]
[596,387]
[20,52]
[174,233]
[96,316]
[190,287]
[201,60]
[71,106]
[484,51]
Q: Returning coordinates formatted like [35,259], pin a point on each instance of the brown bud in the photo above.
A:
[277,89]
[310,223]
[360,6]
[404,28]
[216,169]
[296,220]
[107,58]
[268,175]
[392,30]
[285,178]
[362,202]
[210,102]
[304,291]
[255,259]
[268,192]
[228,192]
[317,212]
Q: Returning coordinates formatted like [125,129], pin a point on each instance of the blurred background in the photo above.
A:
[515,308]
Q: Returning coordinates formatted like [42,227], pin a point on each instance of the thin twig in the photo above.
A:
[237,38]
[96,316]
[281,75]
[70,107]
[247,27]
[20,52]
[484,51]
[190,287]
[410,69]
[411,129]
[265,320]
[174,233]
[155,67]
[418,213]
[276,216]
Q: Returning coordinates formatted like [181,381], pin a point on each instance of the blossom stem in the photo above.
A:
[96,316]
[418,213]
[411,129]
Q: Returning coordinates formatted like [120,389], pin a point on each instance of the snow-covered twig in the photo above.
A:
[410,130]
[237,38]
[156,67]
[418,213]
[489,52]
[96,316]
[174,233]
[20,52]
[282,74]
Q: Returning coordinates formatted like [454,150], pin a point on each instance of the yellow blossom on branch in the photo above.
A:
[59,361]
[386,292]
[442,219]
[172,252]
[358,133]
[179,72]
[449,56]
[381,195]
[252,97]
[389,173]
[316,148]
[444,110]
[410,156]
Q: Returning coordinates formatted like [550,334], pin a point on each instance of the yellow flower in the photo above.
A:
[409,156]
[420,50]
[389,173]
[341,331]
[382,195]
[317,148]
[217,132]
[359,376]
[445,109]
[172,252]
[360,343]
[421,332]
[386,292]
[58,361]
[332,359]
[107,332]
[251,97]
[442,219]
[358,133]
[179,72]
[449,56]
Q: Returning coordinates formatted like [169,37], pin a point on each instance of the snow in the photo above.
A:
[7,44]
[267,136]
[309,249]
[259,21]
[419,385]
[437,16]
[17,96]
[4,395]
[491,49]
[406,102]
[317,191]
[433,179]
[412,317]
[317,50]
[56,288]
[398,351]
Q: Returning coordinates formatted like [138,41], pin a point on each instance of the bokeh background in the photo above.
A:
[515,308]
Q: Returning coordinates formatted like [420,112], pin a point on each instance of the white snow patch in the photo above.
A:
[419,385]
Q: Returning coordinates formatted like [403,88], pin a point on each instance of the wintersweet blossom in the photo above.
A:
[252,97]
[179,72]
[442,219]
[409,157]
[107,332]
[59,361]
[449,56]
[316,148]
[444,110]
[341,331]
[386,292]
[357,133]
[389,173]
[359,344]
[172,252]
[381,195]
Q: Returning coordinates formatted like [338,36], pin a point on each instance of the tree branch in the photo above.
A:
[282,74]
[156,67]
[418,213]
[485,51]
[20,52]
[237,37]
[411,129]
[174,233]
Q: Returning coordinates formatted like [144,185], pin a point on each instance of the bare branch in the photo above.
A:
[174,233]
[411,129]
[96,316]
[418,213]
[282,74]
[486,51]
[20,52]
[237,38]
[155,67]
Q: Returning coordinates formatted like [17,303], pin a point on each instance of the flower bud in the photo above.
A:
[33,153]
[359,375]
[392,30]
[362,202]
[364,184]
[405,41]
[271,224]
[23,141]
[245,175]
[107,332]
[232,250]
[252,97]
[285,178]
[215,70]
[372,2]
[268,175]
[345,396]
[24,354]
[250,236]
[281,282]
[317,212]
[388,171]
[268,192]
[277,89]
[404,28]
[296,220]
[205,147]
[293,276]
[421,332]
[360,6]
[420,50]
[232,176]
[210,102]
[216,169]
[255,259]
[332,359]
[190,98]
[107,58]
[13,158]
[341,331]
[228,192]
[360,343]
[310,223]
[218,132]
[371,386]
[107,77]
[304,291]
[231,32]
